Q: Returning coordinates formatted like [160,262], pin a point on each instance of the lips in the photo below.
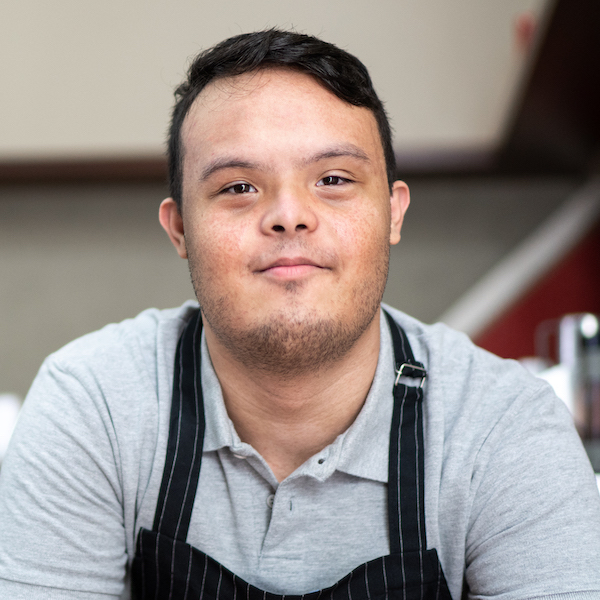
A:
[290,267]
[292,262]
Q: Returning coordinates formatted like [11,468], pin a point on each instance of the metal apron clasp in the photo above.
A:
[421,372]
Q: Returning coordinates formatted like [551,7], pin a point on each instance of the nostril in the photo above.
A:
[278,228]
[300,227]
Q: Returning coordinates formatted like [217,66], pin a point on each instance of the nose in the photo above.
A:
[289,213]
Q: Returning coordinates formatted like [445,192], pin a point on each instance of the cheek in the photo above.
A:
[364,238]
[217,247]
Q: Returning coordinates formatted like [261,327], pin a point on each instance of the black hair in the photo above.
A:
[339,71]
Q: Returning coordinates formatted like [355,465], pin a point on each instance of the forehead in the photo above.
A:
[266,108]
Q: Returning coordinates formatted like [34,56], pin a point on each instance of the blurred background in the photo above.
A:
[495,107]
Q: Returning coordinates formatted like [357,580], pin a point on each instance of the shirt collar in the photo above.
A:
[366,443]
[362,450]
[219,431]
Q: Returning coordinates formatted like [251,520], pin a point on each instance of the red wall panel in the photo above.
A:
[572,286]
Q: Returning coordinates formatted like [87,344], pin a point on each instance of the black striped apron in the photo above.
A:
[167,568]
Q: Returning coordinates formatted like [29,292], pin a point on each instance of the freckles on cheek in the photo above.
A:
[222,246]
[357,236]
[365,251]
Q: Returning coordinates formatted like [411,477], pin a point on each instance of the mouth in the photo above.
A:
[291,268]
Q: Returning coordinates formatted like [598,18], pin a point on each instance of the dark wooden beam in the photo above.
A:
[104,169]
[556,125]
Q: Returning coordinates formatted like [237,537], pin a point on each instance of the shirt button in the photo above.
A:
[271,500]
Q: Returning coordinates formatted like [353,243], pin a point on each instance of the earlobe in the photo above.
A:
[399,201]
[171,221]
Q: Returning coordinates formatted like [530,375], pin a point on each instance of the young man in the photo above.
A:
[290,437]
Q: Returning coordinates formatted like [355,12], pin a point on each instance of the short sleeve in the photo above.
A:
[61,514]
[535,516]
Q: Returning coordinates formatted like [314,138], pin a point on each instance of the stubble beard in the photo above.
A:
[295,340]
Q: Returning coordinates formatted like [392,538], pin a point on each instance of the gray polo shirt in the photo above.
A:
[511,502]
[314,527]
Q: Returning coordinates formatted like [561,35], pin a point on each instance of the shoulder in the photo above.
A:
[139,341]
[143,330]
[467,378]
[478,405]
[117,378]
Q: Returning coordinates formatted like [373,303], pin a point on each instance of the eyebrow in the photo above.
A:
[348,150]
[219,164]
[226,163]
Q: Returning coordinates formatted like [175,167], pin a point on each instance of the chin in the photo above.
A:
[290,342]
[298,333]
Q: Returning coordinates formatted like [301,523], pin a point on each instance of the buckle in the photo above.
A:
[411,370]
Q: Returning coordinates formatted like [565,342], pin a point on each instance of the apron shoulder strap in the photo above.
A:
[186,437]
[406,476]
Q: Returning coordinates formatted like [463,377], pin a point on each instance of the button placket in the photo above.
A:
[289,502]
[283,509]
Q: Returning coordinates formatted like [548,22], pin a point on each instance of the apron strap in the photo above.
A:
[186,437]
[406,480]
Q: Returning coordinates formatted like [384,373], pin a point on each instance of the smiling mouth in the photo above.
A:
[291,271]
[291,268]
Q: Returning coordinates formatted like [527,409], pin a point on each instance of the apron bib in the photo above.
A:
[166,567]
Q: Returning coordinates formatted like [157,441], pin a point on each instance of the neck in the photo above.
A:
[288,420]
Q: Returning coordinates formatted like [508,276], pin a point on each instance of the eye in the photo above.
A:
[333,180]
[239,188]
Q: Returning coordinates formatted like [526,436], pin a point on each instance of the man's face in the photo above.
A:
[286,217]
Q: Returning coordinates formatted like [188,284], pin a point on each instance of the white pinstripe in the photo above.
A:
[402,404]
[418,449]
[181,510]
[162,514]
[203,576]
[169,484]
[174,545]
[385,583]
[349,580]
[156,570]
[219,582]
[189,573]
[187,485]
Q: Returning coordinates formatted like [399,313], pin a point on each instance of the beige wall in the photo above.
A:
[81,77]
[93,78]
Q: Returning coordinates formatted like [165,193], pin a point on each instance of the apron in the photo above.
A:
[165,567]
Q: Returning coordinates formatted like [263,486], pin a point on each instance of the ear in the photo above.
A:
[171,221]
[399,201]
